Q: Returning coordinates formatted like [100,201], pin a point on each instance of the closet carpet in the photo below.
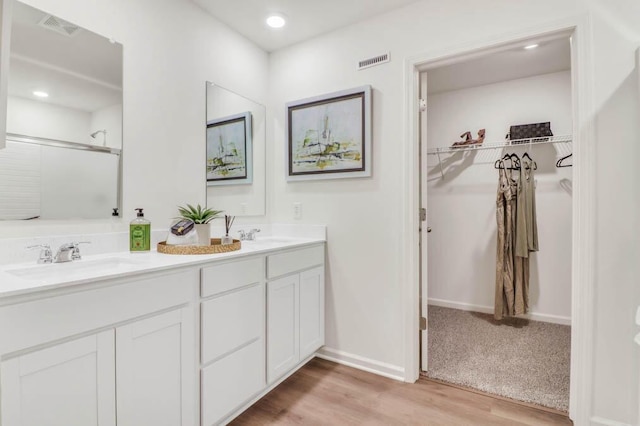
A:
[516,358]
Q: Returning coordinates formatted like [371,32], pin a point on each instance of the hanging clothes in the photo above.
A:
[517,237]
[526,234]
[505,217]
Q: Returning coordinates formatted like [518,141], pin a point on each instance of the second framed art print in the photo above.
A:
[329,136]
[229,150]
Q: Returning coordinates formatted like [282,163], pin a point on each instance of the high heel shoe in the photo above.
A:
[480,139]
[467,138]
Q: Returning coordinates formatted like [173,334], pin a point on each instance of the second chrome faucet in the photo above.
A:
[248,236]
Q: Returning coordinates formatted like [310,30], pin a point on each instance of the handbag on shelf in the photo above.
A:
[526,133]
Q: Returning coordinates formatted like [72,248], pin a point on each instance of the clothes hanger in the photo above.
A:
[559,162]
[499,164]
[534,165]
[515,161]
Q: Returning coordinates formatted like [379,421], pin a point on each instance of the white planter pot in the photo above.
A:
[204,234]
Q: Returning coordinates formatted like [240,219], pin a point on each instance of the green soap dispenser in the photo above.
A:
[140,233]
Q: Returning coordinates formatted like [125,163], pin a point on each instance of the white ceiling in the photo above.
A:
[82,72]
[305,18]
[550,56]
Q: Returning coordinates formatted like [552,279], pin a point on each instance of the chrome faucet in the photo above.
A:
[45,253]
[69,252]
[251,235]
[248,236]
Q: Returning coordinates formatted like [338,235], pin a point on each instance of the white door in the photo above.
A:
[311,311]
[155,358]
[282,326]
[70,384]
[424,226]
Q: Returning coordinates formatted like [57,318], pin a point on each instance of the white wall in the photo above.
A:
[461,206]
[171,47]
[109,119]
[364,288]
[41,119]
[616,37]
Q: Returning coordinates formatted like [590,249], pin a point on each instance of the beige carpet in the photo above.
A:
[519,359]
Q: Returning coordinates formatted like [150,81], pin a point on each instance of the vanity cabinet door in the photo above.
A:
[282,326]
[70,384]
[311,311]
[155,359]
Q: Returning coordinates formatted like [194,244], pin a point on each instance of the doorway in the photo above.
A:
[524,354]
[582,235]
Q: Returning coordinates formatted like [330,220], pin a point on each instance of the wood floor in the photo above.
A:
[325,393]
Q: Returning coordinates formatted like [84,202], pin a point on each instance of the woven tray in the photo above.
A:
[215,247]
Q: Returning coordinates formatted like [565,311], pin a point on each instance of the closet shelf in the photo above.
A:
[501,145]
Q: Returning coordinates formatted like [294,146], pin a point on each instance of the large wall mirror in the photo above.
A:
[63,154]
[235,146]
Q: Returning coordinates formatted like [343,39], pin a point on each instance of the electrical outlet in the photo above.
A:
[297,210]
[243,208]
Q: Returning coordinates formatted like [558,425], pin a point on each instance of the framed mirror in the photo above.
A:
[235,153]
[63,154]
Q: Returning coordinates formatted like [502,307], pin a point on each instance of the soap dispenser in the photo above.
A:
[140,233]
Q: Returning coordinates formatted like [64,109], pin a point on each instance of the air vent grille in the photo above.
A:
[372,62]
[60,26]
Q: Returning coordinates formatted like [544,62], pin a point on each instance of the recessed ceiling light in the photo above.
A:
[531,46]
[40,94]
[276,21]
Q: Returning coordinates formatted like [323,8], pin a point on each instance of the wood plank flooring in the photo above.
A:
[325,393]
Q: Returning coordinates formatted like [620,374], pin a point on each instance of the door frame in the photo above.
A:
[584,201]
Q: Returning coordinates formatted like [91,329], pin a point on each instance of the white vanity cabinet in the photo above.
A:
[137,368]
[71,383]
[295,308]
[178,346]
[232,332]
[151,376]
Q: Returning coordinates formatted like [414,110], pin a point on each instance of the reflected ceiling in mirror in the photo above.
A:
[64,110]
[235,127]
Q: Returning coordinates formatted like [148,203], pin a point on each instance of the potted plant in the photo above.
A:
[201,218]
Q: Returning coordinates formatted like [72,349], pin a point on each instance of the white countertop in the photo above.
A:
[25,278]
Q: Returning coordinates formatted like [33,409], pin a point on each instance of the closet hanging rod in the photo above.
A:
[507,144]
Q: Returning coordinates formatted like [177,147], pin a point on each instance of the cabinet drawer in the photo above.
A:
[232,381]
[227,276]
[286,263]
[231,321]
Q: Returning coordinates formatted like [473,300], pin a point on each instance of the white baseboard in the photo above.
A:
[599,421]
[555,319]
[361,363]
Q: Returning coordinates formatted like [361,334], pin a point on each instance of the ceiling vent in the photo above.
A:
[372,62]
[60,26]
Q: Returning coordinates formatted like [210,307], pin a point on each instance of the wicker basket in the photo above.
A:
[214,248]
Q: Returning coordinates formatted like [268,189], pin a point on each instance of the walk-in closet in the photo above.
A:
[496,141]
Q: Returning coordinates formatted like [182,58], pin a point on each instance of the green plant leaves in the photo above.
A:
[198,214]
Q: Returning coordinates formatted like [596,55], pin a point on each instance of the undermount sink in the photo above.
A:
[69,270]
[270,240]
[265,242]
